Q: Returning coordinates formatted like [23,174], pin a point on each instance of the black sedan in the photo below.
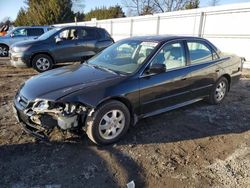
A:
[59,45]
[130,80]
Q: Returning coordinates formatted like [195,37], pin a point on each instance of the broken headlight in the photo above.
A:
[42,106]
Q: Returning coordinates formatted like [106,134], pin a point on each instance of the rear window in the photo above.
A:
[88,33]
[104,34]
[35,31]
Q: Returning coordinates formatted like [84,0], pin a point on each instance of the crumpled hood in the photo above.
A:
[60,82]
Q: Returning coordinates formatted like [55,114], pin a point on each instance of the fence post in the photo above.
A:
[158,25]
[131,27]
[201,24]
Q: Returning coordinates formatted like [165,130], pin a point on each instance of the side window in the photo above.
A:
[104,34]
[82,33]
[20,32]
[199,52]
[35,31]
[68,34]
[172,55]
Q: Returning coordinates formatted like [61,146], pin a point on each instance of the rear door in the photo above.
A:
[204,68]
[86,45]
[160,91]
[105,40]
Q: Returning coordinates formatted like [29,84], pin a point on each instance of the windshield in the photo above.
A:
[48,34]
[124,56]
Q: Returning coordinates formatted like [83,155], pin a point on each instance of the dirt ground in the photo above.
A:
[196,146]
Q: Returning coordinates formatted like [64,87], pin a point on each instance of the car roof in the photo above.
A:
[163,38]
[34,27]
[78,26]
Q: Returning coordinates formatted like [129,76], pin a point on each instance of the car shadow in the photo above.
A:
[66,165]
[199,120]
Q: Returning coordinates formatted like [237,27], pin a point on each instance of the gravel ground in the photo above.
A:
[196,146]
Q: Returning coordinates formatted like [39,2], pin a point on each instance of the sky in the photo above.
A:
[10,8]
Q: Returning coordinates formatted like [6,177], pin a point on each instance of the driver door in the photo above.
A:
[65,49]
[172,87]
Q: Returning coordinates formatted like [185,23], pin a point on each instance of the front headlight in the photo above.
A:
[20,49]
[42,106]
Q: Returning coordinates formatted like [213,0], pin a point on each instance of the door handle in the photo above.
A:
[183,78]
[218,70]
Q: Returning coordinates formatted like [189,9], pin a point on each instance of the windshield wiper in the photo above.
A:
[104,68]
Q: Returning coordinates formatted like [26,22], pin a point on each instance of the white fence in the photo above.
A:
[227,26]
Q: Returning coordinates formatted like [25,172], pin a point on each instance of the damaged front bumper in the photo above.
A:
[40,117]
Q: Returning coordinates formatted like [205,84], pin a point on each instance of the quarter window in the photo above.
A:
[199,53]
[172,55]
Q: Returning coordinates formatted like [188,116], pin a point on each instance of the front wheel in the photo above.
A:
[4,51]
[109,123]
[219,91]
[42,62]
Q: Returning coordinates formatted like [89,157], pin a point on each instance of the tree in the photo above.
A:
[138,7]
[105,13]
[147,10]
[214,2]
[158,6]
[22,18]
[192,4]
[45,12]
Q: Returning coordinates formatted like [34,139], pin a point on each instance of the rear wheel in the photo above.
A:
[219,91]
[4,50]
[42,62]
[109,123]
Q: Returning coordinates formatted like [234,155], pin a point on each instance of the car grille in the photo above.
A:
[22,101]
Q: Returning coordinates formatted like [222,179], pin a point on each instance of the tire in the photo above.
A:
[42,62]
[4,50]
[102,132]
[219,91]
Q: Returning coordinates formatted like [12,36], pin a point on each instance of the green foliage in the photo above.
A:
[22,18]
[192,4]
[105,13]
[45,12]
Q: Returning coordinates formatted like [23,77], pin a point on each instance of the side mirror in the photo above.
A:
[12,35]
[157,68]
[58,40]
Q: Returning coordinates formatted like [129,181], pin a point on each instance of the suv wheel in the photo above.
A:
[42,62]
[4,51]
[219,91]
[109,123]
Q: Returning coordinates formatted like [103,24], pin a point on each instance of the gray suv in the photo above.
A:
[20,34]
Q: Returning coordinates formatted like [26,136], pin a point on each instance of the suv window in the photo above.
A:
[35,31]
[68,34]
[20,32]
[172,55]
[199,52]
[104,34]
[88,33]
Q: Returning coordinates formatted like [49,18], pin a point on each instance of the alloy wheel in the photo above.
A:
[43,64]
[3,51]
[220,91]
[111,124]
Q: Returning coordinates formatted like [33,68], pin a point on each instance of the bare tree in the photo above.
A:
[156,6]
[214,2]
[137,7]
